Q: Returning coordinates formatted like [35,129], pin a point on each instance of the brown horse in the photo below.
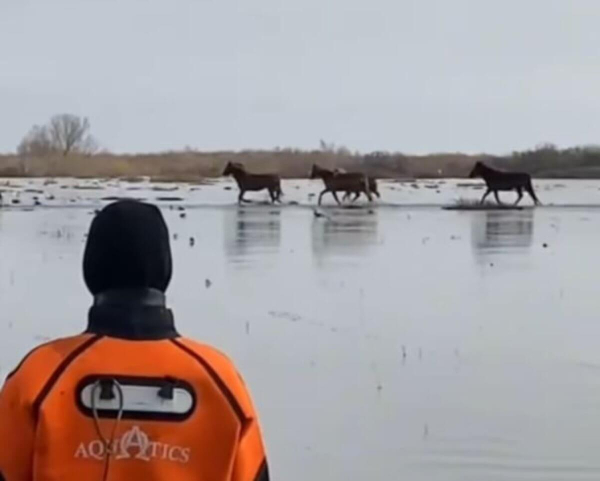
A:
[497,180]
[254,182]
[341,182]
[372,187]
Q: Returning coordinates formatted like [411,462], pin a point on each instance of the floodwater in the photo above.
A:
[400,341]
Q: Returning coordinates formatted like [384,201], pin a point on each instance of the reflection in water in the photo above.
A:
[431,368]
[347,232]
[498,231]
[251,232]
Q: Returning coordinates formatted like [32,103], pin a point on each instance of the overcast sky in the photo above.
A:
[408,75]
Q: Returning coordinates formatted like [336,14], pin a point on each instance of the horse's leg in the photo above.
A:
[241,196]
[520,195]
[356,196]
[346,195]
[487,192]
[497,197]
[335,196]
[321,196]
[531,192]
[368,192]
[273,195]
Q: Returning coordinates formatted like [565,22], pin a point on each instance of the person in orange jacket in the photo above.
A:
[129,399]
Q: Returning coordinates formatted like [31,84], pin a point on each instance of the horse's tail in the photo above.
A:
[278,188]
[367,182]
[374,187]
[529,188]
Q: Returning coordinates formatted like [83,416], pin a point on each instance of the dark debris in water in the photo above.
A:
[478,206]
[87,187]
[114,198]
[170,199]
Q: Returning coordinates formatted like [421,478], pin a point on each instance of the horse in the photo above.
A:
[497,180]
[341,182]
[254,182]
[372,187]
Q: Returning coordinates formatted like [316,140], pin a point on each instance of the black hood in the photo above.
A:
[127,247]
[127,266]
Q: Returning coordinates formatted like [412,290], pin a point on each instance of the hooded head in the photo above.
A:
[127,248]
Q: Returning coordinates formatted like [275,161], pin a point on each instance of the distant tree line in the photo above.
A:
[547,160]
[67,135]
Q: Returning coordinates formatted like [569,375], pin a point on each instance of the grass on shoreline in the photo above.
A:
[195,166]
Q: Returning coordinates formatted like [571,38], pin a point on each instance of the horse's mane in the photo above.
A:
[238,165]
[327,172]
[485,166]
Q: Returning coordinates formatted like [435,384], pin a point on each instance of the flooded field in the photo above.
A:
[399,341]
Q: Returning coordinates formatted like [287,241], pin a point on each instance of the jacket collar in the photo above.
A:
[135,314]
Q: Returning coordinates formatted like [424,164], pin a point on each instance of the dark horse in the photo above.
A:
[372,187]
[254,182]
[341,182]
[497,180]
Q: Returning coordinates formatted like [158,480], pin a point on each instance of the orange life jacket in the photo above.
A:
[179,411]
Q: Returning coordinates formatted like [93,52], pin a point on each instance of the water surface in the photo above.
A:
[379,343]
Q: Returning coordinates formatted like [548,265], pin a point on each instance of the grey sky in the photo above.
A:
[408,75]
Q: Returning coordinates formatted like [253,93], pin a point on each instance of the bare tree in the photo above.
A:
[37,142]
[64,133]
[326,147]
[70,133]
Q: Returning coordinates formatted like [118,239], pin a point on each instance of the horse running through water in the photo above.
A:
[497,180]
[254,182]
[372,187]
[341,182]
